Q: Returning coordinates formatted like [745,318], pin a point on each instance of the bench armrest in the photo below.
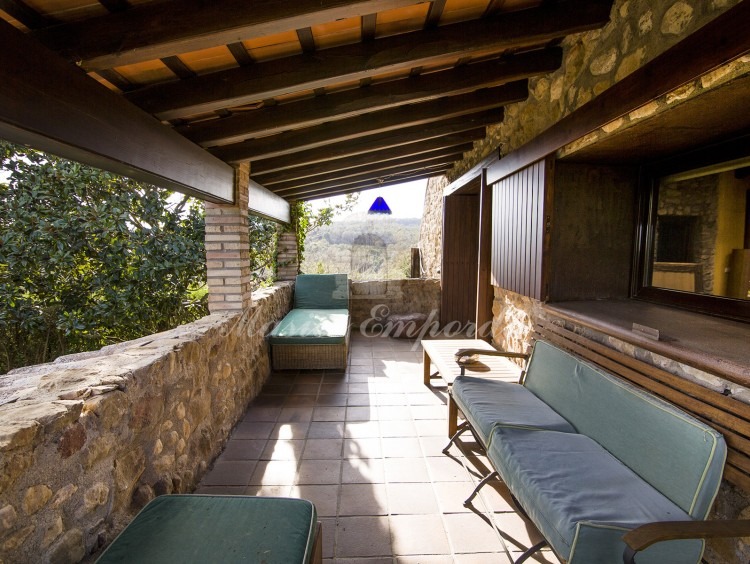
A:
[644,536]
[461,353]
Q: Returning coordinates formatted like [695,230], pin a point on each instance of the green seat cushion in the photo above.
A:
[486,403]
[311,327]
[221,529]
[680,456]
[321,291]
[582,498]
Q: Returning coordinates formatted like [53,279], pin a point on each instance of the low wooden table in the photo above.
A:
[441,353]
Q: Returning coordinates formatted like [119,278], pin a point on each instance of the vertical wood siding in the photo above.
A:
[460,259]
[518,231]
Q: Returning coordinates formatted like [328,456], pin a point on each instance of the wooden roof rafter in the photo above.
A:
[316,94]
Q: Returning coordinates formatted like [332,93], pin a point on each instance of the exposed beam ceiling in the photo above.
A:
[319,96]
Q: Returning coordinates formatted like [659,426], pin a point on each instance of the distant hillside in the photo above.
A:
[365,247]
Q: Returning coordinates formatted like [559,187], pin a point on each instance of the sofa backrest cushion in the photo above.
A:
[321,291]
[678,455]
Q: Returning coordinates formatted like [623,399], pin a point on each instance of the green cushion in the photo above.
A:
[311,327]
[486,403]
[221,529]
[321,291]
[582,498]
[675,453]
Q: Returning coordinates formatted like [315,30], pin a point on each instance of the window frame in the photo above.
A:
[648,190]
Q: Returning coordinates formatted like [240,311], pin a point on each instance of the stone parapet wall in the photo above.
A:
[88,440]
[376,299]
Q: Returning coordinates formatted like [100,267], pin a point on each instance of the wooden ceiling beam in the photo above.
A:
[162,29]
[377,122]
[357,164]
[25,14]
[445,134]
[382,176]
[362,186]
[359,101]
[238,86]
[365,172]
[52,106]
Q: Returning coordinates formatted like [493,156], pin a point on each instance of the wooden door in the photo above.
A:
[460,257]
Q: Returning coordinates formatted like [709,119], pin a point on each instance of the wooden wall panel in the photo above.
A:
[518,231]
[460,256]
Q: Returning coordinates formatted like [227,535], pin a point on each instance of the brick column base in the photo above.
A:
[228,250]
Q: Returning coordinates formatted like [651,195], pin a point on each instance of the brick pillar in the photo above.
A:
[286,257]
[228,249]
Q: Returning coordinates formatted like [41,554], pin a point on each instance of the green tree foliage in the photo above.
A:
[88,258]
[264,235]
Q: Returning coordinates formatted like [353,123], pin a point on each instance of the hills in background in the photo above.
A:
[366,247]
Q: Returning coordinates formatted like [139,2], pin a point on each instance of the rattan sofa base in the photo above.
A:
[313,357]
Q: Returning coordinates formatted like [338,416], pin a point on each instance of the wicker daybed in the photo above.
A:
[315,334]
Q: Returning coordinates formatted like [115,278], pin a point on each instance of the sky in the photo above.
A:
[405,200]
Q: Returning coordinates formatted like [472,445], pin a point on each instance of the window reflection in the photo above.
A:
[702,238]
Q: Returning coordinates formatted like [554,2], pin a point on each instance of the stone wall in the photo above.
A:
[377,299]
[431,228]
[88,440]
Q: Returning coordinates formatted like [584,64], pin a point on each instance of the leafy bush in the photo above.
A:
[89,258]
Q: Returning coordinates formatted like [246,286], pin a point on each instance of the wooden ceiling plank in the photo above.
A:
[26,15]
[371,169]
[115,5]
[444,134]
[178,67]
[116,79]
[360,187]
[494,7]
[383,175]
[50,105]
[356,102]
[376,122]
[162,29]
[358,163]
[233,87]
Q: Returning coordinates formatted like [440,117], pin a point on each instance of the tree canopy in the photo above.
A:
[89,258]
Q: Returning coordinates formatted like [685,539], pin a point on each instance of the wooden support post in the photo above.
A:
[485,294]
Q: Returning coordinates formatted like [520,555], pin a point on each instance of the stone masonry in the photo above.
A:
[88,440]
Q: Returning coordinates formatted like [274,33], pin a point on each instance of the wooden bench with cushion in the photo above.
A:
[315,333]
[591,458]
[221,529]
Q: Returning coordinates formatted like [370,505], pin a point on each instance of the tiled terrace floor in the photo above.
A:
[365,446]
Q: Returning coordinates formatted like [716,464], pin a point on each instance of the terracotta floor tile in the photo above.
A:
[324,497]
[364,377]
[469,533]
[363,500]
[329,536]
[360,369]
[402,447]
[360,388]
[433,446]
[325,430]
[220,490]
[433,427]
[309,377]
[268,491]
[295,414]
[229,473]
[361,413]
[405,470]
[300,401]
[428,559]
[429,411]
[334,387]
[332,400]
[274,473]
[411,499]
[306,389]
[451,496]
[363,448]
[363,536]
[319,472]
[362,430]
[445,469]
[363,470]
[269,400]
[253,430]
[262,414]
[329,414]
[283,450]
[323,449]
[418,534]
[398,429]
[483,558]
[394,413]
[238,449]
[360,399]
[519,534]
[290,430]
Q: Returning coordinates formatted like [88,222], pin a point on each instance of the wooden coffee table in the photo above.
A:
[441,354]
